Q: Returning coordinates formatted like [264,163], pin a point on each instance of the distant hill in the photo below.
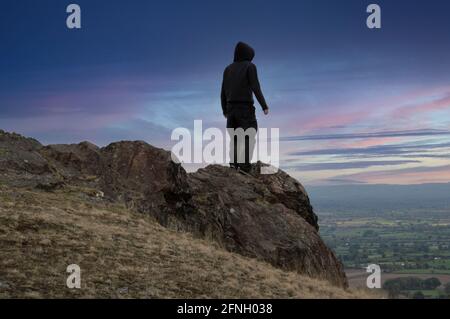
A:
[380,197]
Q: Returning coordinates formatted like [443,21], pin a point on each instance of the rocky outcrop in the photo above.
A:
[21,163]
[146,179]
[268,217]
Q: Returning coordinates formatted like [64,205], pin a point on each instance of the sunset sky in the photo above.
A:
[353,105]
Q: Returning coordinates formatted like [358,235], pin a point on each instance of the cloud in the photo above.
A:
[436,104]
[347,165]
[418,155]
[326,120]
[404,133]
[379,150]
[338,181]
[414,175]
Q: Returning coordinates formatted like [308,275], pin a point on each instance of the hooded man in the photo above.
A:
[240,82]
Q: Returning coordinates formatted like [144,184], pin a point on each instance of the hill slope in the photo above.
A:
[124,254]
[94,191]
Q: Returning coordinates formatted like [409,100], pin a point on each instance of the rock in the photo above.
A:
[75,162]
[50,187]
[146,179]
[21,164]
[268,217]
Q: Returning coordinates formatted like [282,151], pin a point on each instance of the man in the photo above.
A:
[240,82]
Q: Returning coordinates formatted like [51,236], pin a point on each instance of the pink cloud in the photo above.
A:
[374,142]
[418,175]
[414,109]
[326,121]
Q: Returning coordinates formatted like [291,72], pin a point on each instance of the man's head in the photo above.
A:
[243,52]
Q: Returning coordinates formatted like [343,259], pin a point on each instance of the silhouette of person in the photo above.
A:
[240,82]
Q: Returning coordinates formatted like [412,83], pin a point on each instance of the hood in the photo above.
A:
[243,52]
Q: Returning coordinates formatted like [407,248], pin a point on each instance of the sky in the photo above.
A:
[353,105]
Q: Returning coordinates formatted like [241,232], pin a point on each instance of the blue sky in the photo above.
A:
[353,105]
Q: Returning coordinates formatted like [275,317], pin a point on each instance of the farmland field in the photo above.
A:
[403,246]
[404,242]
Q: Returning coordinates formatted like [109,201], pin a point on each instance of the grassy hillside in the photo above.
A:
[123,254]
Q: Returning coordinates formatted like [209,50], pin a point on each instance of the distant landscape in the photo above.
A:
[404,229]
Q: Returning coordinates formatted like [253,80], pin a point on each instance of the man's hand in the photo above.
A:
[266,111]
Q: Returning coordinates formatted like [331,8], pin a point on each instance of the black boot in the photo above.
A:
[247,168]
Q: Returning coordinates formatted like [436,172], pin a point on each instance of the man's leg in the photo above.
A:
[251,129]
[238,136]
[234,152]
[231,124]
[250,142]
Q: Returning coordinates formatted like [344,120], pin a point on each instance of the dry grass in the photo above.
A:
[125,255]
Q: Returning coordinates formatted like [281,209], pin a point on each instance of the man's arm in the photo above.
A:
[223,97]
[256,87]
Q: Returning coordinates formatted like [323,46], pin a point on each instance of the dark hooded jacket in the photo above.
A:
[240,80]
